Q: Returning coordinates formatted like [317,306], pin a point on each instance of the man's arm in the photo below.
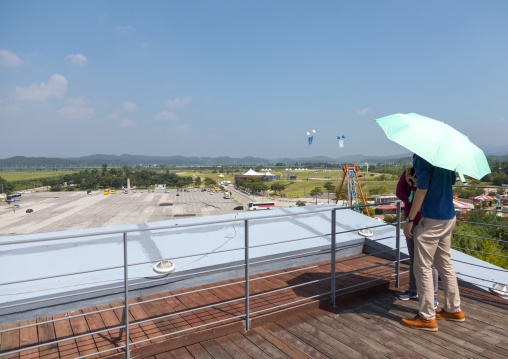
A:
[417,205]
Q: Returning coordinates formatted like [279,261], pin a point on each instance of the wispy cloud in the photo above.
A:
[167,116]
[77,59]
[126,123]
[9,58]
[144,44]
[56,87]
[130,106]
[124,29]
[177,103]
[500,120]
[364,111]
[77,109]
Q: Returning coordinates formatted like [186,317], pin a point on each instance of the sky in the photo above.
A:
[245,78]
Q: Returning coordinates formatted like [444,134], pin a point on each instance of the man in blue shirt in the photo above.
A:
[432,240]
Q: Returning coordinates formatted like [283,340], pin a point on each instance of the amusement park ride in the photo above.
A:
[352,191]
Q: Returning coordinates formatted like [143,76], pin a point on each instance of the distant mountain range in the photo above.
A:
[499,153]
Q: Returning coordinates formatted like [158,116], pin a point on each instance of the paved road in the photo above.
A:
[60,211]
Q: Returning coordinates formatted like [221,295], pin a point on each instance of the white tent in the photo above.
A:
[251,172]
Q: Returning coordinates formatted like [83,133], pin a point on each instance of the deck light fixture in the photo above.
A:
[365,232]
[164,267]
[500,290]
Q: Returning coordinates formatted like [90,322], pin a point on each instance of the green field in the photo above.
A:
[299,188]
[27,175]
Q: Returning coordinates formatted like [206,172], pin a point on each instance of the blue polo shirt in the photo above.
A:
[438,203]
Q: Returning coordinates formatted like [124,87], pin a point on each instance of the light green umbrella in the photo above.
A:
[437,143]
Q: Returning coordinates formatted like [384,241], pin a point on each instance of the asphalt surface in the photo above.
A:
[60,211]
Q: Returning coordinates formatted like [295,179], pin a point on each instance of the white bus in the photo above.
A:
[254,206]
[227,195]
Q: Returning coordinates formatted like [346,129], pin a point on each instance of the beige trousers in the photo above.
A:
[432,239]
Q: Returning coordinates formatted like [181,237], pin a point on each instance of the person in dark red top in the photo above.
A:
[406,185]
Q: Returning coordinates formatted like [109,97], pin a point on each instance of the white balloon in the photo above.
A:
[313,131]
[308,133]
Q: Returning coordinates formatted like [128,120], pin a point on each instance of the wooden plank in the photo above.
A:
[234,350]
[317,339]
[280,343]
[247,346]
[367,342]
[109,319]
[86,345]
[68,348]
[46,333]
[157,309]
[216,350]
[438,341]
[139,332]
[293,341]
[197,351]
[346,339]
[180,341]
[181,353]
[475,337]
[165,355]
[268,347]
[95,323]
[28,337]
[355,321]
[10,340]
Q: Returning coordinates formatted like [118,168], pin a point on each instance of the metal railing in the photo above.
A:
[241,302]
[246,299]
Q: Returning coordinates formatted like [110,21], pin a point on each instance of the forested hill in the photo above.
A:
[134,160]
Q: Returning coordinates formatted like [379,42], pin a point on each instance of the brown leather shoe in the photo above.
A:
[458,317]
[420,323]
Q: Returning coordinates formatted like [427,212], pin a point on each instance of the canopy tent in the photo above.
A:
[483,198]
[462,206]
[251,172]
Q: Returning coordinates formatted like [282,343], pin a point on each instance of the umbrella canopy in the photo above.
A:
[436,142]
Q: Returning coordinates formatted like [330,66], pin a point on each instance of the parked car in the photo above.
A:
[238,208]
[178,194]
[29,210]
[15,206]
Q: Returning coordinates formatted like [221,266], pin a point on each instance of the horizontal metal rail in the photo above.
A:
[188,329]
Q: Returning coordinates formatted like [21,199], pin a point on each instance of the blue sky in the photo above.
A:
[245,78]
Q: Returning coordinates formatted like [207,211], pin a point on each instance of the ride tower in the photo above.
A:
[353,190]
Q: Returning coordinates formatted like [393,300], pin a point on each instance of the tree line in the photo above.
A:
[104,177]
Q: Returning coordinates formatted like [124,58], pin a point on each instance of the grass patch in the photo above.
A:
[27,175]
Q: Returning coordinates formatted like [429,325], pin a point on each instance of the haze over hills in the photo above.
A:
[492,152]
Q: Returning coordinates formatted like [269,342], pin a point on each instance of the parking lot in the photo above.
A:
[60,211]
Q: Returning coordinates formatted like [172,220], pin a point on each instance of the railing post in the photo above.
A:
[397,267]
[247,318]
[126,291]
[334,215]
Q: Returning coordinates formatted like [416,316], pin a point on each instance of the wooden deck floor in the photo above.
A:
[365,323]
[147,337]
[367,328]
